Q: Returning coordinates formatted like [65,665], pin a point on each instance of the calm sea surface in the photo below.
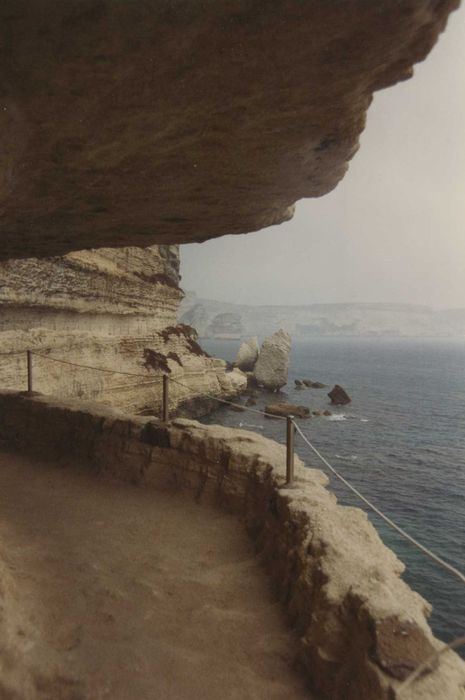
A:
[401,442]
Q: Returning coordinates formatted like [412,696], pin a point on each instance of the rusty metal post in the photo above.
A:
[166,396]
[29,372]
[290,431]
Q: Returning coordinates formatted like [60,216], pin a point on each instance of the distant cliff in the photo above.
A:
[109,308]
[324,319]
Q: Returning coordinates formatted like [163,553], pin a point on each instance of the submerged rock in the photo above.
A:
[287,409]
[339,396]
[273,361]
[298,384]
[327,413]
[313,385]
[247,355]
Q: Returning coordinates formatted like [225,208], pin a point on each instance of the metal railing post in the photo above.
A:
[290,431]
[29,372]
[165,412]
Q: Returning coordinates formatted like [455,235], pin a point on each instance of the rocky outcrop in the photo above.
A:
[339,396]
[310,384]
[284,409]
[247,355]
[134,123]
[359,626]
[112,309]
[272,365]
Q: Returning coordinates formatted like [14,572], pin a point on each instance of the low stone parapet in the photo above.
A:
[361,629]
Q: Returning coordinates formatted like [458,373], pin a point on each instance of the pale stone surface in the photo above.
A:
[272,365]
[341,585]
[106,308]
[247,354]
[133,123]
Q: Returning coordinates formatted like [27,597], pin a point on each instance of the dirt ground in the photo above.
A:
[112,591]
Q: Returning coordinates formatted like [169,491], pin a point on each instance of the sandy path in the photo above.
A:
[116,592]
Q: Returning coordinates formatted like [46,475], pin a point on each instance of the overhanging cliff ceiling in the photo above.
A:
[162,121]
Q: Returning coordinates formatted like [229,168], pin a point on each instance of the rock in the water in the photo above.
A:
[247,355]
[316,413]
[273,361]
[251,401]
[287,409]
[327,413]
[338,396]
[313,385]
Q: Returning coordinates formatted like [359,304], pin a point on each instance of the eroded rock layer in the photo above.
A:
[133,123]
[109,308]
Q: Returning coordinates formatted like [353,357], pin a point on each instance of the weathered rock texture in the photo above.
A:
[133,123]
[111,308]
[339,396]
[247,355]
[284,409]
[361,628]
[272,365]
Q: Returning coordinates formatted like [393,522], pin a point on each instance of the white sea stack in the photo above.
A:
[247,355]
[273,361]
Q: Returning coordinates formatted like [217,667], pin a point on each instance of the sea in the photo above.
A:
[401,442]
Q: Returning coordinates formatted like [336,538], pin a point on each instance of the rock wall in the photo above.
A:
[108,308]
[361,628]
[134,123]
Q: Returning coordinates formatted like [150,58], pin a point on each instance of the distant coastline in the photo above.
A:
[223,320]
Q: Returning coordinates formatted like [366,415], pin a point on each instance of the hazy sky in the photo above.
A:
[394,228]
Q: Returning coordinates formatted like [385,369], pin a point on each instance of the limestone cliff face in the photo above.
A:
[134,123]
[124,281]
[109,308]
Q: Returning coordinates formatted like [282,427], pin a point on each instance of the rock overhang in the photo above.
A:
[134,123]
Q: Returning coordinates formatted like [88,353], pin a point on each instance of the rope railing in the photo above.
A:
[428,664]
[76,364]
[291,428]
[150,382]
[12,354]
[388,520]
[241,406]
